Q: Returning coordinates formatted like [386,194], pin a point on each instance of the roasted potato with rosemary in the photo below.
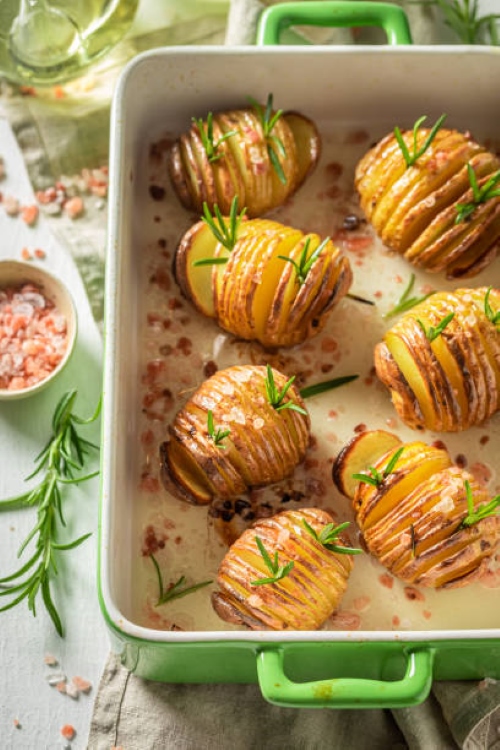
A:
[245,426]
[441,360]
[259,279]
[258,154]
[427,521]
[432,195]
[286,572]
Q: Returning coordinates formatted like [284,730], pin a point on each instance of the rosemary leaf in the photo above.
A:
[326,385]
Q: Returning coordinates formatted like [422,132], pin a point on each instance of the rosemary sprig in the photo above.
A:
[406,302]
[492,315]
[274,144]
[64,454]
[474,515]
[207,137]
[326,385]
[174,590]
[433,332]
[217,435]
[411,158]
[328,537]
[305,263]
[462,17]
[375,477]
[479,194]
[278,571]
[225,232]
[276,397]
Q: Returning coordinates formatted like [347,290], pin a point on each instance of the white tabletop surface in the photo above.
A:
[26,698]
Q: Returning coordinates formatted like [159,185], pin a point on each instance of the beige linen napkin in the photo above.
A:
[62,133]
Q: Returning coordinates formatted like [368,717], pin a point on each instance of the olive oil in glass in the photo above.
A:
[44,42]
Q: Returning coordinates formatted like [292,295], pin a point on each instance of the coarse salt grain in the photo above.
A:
[84,686]
[68,731]
[50,660]
[33,337]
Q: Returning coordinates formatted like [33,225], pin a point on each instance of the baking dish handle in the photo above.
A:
[413,688]
[276,18]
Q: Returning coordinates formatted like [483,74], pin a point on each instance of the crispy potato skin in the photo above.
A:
[460,369]
[305,598]
[243,166]
[414,209]
[411,520]
[264,445]
[257,295]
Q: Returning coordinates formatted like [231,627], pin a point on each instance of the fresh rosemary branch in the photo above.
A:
[174,590]
[411,158]
[224,231]
[278,571]
[474,515]
[433,332]
[375,477]
[207,137]
[64,454]
[276,397]
[406,302]
[217,435]
[274,144]
[492,315]
[479,194]
[462,17]
[328,537]
[305,263]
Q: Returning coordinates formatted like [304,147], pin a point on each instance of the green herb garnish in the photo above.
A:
[479,194]
[474,515]
[174,590]
[274,144]
[278,571]
[328,537]
[65,453]
[492,315]
[326,385]
[305,263]
[276,397]
[462,17]
[406,302]
[207,137]
[375,477]
[217,435]
[411,158]
[225,232]
[433,332]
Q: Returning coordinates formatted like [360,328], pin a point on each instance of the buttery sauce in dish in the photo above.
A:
[181,348]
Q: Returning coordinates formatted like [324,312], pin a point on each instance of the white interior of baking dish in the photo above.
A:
[347,92]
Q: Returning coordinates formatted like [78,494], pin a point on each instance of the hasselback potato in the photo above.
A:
[258,294]
[308,593]
[441,360]
[416,209]
[229,436]
[260,155]
[420,516]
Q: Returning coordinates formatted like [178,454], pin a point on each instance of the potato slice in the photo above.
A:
[358,455]
[301,600]
[307,143]
[196,281]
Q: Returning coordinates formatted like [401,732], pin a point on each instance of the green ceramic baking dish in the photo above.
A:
[387,644]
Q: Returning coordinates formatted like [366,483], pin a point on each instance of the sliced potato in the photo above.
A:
[257,294]
[301,600]
[264,444]
[414,209]
[414,515]
[242,165]
[363,451]
[451,382]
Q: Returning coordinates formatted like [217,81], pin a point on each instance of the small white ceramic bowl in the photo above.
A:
[15,274]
